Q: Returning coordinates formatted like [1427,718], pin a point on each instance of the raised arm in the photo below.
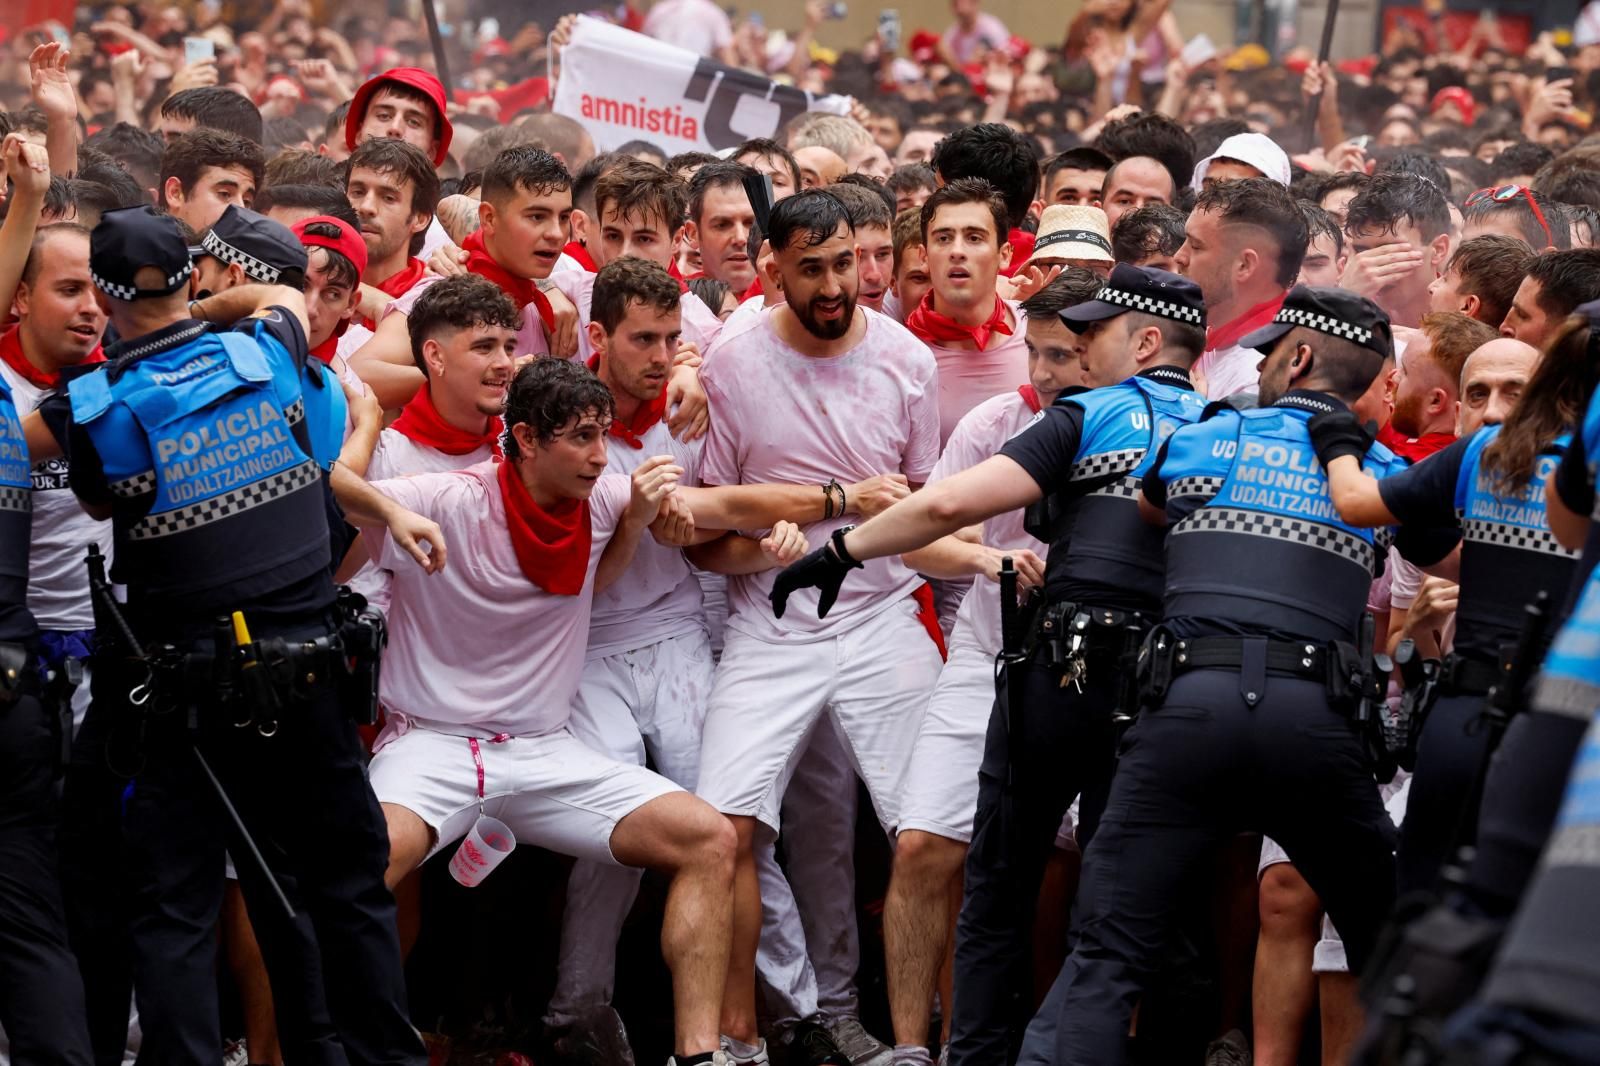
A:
[386,365]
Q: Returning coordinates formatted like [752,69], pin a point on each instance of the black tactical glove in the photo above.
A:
[1338,433]
[824,569]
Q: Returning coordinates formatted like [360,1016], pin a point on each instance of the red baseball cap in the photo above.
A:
[924,46]
[348,244]
[1461,98]
[414,78]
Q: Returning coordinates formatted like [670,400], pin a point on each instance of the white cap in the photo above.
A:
[1252,149]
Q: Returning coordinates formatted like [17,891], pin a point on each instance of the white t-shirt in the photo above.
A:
[1229,370]
[397,455]
[700,325]
[779,417]
[478,646]
[58,583]
[658,597]
[698,25]
[977,437]
[966,379]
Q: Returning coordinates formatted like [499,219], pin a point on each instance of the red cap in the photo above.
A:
[924,46]
[1018,48]
[493,48]
[412,78]
[1458,96]
[348,244]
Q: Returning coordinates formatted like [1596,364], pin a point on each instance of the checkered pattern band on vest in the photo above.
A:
[226,252]
[1504,536]
[1150,305]
[1574,845]
[15,499]
[1124,488]
[127,293]
[137,485]
[1279,527]
[1333,327]
[295,412]
[227,504]
[1106,464]
[1195,485]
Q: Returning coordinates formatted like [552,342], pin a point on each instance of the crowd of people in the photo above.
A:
[1160,483]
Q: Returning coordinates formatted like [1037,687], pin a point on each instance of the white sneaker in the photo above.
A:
[860,1046]
[758,1059]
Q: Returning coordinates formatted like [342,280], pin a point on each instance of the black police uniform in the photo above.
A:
[1054,736]
[196,441]
[1253,731]
[41,995]
[1508,556]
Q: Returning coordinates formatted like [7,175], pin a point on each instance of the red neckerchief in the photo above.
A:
[933,327]
[422,422]
[581,254]
[928,615]
[521,290]
[327,349]
[1227,334]
[755,290]
[644,416]
[398,284]
[1021,242]
[1414,449]
[11,352]
[1030,396]
[552,546]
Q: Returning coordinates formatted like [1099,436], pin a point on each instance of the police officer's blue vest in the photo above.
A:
[203,448]
[325,408]
[16,522]
[1569,680]
[1101,551]
[1508,552]
[1264,551]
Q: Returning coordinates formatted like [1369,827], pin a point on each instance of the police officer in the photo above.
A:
[1053,736]
[193,443]
[1251,681]
[41,995]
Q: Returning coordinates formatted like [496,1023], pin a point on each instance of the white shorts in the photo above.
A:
[873,679]
[551,790]
[652,699]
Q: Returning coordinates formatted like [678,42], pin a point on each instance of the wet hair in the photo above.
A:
[712,292]
[1491,268]
[1080,158]
[462,301]
[1347,369]
[773,152]
[125,190]
[806,218]
[136,150]
[1354,179]
[1575,188]
[549,394]
[909,177]
[635,148]
[1555,397]
[1073,286]
[405,161]
[1394,198]
[1518,159]
[340,269]
[1560,235]
[523,169]
[319,199]
[59,200]
[868,183]
[637,190]
[631,280]
[1452,336]
[906,233]
[1408,161]
[583,182]
[866,206]
[1266,205]
[213,107]
[967,191]
[714,175]
[1154,229]
[1156,136]
[188,156]
[35,260]
[297,166]
[689,160]
[1567,280]
[94,200]
[999,155]
[1321,224]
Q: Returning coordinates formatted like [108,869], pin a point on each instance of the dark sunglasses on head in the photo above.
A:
[1505,194]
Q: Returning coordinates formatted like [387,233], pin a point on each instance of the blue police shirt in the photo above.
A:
[16,524]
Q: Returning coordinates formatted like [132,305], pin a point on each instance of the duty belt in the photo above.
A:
[1068,636]
[1460,676]
[252,682]
[1164,657]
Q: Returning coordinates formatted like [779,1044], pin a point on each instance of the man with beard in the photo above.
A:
[1399,231]
[971,331]
[394,189]
[810,391]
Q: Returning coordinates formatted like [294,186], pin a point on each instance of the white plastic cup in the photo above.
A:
[483,848]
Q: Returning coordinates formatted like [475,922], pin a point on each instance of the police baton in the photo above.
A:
[105,605]
[1314,104]
[1010,652]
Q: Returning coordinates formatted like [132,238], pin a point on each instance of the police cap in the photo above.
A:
[1327,310]
[264,249]
[1144,289]
[130,239]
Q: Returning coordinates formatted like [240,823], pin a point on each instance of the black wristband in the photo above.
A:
[841,551]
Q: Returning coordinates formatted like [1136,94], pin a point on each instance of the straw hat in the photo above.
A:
[1073,232]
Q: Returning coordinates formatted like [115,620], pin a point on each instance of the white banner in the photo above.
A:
[624,86]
